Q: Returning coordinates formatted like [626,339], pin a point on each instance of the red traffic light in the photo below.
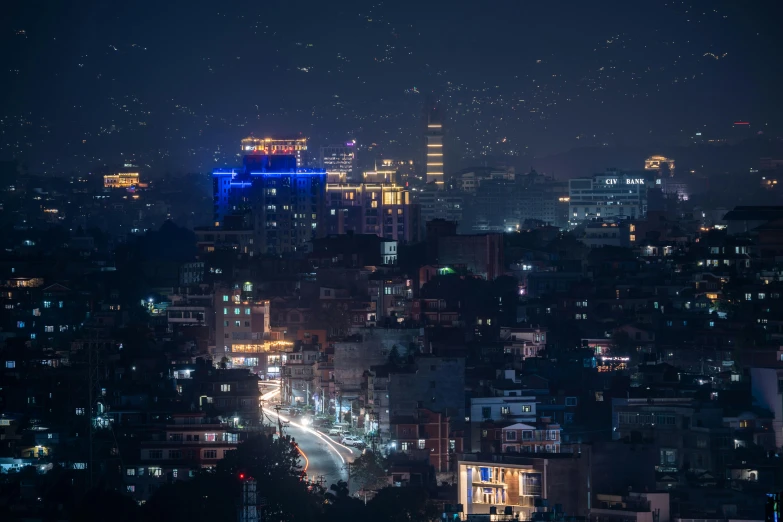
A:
[241,476]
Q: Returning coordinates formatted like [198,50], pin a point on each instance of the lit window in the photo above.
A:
[247,311]
[131,488]
[237,311]
[10,364]
[79,411]
[155,471]
[20,324]
[49,329]
[47,304]
[225,298]
[421,443]
[225,387]
[130,472]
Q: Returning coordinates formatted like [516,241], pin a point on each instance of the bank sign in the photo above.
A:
[627,181]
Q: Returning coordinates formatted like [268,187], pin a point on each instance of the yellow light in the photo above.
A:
[434,125]
[434,144]
[434,154]
[433,164]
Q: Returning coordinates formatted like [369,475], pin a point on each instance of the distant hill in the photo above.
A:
[704,158]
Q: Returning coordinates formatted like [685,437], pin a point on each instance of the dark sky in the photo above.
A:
[174,84]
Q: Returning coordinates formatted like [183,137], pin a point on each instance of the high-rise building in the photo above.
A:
[273,146]
[282,204]
[611,195]
[434,141]
[338,161]
[377,206]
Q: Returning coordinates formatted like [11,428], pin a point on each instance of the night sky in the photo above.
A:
[174,85]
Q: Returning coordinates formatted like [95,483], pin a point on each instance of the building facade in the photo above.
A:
[611,195]
[296,146]
[377,206]
[338,161]
[284,205]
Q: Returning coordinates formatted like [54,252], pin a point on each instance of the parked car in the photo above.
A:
[350,440]
[335,430]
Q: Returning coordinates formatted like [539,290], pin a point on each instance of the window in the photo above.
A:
[237,323]
[551,435]
[210,454]
[568,418]
[511,435]
[421,443]
[47,304]
[10,364]
[247,311]
[174,473]
[155,454]
[79,411]
[210,437]
[225,387]
[237,311]
[49,329]
[60,304]
[156,472]
[505,410]
[405,446]
[570,401]
[130,472]
[225,298]
[131,488]
[175,454]
[20,324]
[486,413]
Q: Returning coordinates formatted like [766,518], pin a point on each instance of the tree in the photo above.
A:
[369,471]
[408,504]
[273,462]
[106,504]
[340,506]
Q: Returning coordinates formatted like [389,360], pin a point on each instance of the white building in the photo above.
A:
[611,195]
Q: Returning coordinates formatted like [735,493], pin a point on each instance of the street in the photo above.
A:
[324,459]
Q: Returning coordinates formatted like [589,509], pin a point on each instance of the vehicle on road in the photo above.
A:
[350,440]
[335,430]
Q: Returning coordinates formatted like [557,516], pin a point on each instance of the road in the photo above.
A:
[324,458]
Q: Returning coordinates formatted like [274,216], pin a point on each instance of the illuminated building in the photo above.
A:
[121,180]
[338,161]
[377,206]
[283,204]
[611,195]
[439,204]
[659,164]
[273,146]
[434,141]
[515,484]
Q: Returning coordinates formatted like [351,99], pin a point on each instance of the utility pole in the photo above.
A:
[279,421]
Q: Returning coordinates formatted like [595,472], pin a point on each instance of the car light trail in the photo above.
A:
[330,443]
[307,461]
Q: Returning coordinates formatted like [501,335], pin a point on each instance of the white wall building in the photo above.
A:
[611,195]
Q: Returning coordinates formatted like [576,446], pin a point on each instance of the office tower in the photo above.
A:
[277,146]
[282,204]
[338,161]
[434,141]
[613,195]
[376,206]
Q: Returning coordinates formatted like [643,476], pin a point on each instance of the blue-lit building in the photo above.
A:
[282,204]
